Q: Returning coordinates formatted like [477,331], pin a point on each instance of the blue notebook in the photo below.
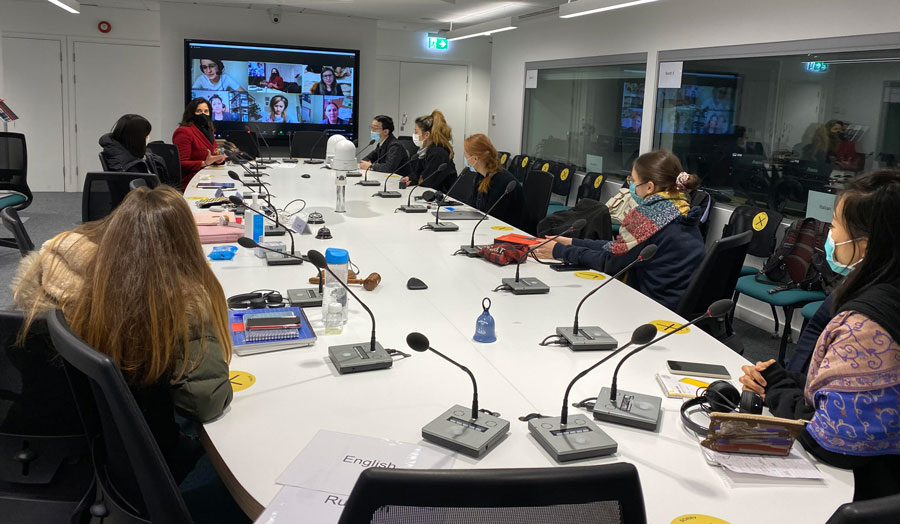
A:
[260,341]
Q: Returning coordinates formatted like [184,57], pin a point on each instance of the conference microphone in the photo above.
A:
[352,358]
[462,429]
[359,152]
[365,181]
[265,142]
[593,338]
[408,208]
[240,159]
[532,285]
[438,225]
[636,409]
[268,197]
[472,250]
[272,261]
[312,150]
[308,297]
[577,437]
[384,193]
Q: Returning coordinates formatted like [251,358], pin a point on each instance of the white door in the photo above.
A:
[387,95]
[102,94]
[802,105]
[426,87]
[34,90]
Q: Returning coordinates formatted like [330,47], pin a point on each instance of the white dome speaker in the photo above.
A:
[344,156]
[333,141]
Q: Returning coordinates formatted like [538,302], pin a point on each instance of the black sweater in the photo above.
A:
[425,172]
[510,209]
[388,156]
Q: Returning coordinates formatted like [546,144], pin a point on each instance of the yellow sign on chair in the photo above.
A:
[525,161]
[545,167]
[565,174]
[240,380]
[598,181]
[760,221]
[503,158]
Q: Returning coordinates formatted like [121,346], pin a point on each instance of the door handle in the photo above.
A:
[403,122]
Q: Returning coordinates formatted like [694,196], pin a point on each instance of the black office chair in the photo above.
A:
[308,144]
[562,179]
[244,140]
[503,157]
[46,473]
[170,157]
[14,170]
[104,191]
[884,510]
[136,183]
[520,167]
[706,202]
[591,187]
[103,163]
[537,188]
[133,482]
[607,494]
[465,189]
[20,239]
[408,145]
[714,280]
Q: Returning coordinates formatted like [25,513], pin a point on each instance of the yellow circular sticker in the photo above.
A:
[240,380]
[760,221]
[697,519]
[503,158]
[597,182]
[545,167]
[589,275]
[565,174]
[668,326]
[501,228]
[525,161]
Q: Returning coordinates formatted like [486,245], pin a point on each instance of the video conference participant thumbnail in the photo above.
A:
[209,75]
[328,81]
[282,109]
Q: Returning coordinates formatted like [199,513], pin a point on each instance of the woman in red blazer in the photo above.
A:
[195,140]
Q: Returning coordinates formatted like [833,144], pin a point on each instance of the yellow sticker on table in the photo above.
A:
[589,275]
[196,198]
[545,167]
[565,174]
[668,326]
[597,182]
[760,221]
[501,228]
[698,519]
[240,380]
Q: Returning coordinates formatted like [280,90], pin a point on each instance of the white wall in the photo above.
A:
[182,21]
[1,63]
[474,52]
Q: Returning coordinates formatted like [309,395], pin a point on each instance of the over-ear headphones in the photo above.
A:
[256,300]
[721,397]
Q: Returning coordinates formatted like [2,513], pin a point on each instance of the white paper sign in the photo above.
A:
[820,206]
[292,505]
[301,226]
[531,79]
[332,461]
[594,164]
[670,74]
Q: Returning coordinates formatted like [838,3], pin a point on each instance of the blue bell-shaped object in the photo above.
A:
[484,326]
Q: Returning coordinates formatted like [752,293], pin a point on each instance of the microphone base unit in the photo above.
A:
[469,251]
[278,259]
[588,338]
[368,183]
[526,286]
[354,358]
[313,161]
[441,226]
[261,161]
[631,409]
[253,176]
[414,208]
[273,231]
[304,298]
[388,194]
[353,174]
[579,439]
[457,430]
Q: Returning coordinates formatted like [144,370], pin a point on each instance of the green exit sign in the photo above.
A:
[816,67]
[437,42]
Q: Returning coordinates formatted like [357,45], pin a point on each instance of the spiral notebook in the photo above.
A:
[249,342]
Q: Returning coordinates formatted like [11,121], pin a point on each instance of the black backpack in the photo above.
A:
[799,262]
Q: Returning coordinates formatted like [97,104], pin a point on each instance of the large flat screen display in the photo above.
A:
[275,88]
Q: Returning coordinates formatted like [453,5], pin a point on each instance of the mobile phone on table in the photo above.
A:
[567,267]
[697,369]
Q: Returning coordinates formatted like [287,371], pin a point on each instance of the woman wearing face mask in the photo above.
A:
[195,140]
[275,80]
[663,217]
[433,133]
[481,157]
[851,392]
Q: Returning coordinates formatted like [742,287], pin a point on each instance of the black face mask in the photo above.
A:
[203,123]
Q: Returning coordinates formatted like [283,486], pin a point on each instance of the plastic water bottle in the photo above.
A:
[334,319]
[338,261]
[249,216]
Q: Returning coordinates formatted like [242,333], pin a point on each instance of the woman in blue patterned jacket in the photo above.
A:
[851,393]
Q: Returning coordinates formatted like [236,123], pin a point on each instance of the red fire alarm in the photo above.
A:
[104,27]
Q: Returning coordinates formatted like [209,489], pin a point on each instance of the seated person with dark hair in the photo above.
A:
[125,148]
[389,155]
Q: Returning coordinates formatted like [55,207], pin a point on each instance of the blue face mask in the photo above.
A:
[632,187]
[466,160]
[836,266]
[376,136]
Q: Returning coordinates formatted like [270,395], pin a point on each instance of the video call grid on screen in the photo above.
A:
[279,88]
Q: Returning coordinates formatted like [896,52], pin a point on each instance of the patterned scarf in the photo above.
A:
[656,212]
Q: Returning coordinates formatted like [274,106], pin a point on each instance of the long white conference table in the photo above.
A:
[297,392]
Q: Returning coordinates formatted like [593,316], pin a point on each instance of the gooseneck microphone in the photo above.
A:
[266,196]
[238,158]
[438,225]
[471,250]
[637,409]
[591,338]
[365,181]
[312,150]
[265,142]
[352,358]
[531,285]
[409,208]
[577,437]
[236,200]
[384,193]
[308,297]
[473,433]
[356,173]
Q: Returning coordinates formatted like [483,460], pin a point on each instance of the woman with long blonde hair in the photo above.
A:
[136,286]
[433,133]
